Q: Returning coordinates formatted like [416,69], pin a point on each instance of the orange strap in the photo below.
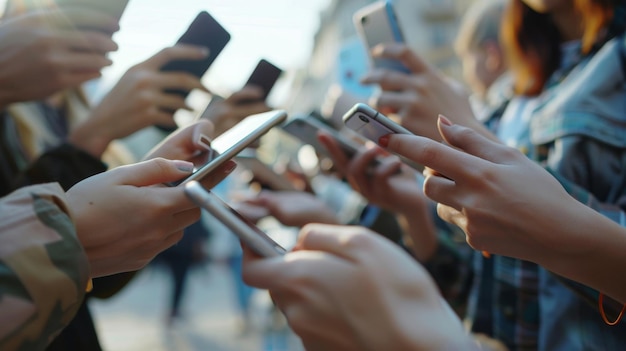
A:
[601,307]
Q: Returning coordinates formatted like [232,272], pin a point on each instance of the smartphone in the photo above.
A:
[375,24]
[253,237]
[235,140]
[370,123]
[373,125]
[204,31]
[264,76]
[263,173]
[305,129]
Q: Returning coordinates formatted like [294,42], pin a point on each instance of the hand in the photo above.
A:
[418,98]
[43,52]
[139,100]
[385,181]
[294,208]
[498,196]
[344,288]
[226,113]
[124,217]
[192,144]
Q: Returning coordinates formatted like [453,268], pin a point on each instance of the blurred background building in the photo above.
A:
[429,27]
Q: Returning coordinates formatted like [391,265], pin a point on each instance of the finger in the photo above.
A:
[402,53]
[263,273]
[249,92]
[442,190]
[338,156]
[216,176]
[473,143]
[152,172]
[359,168]
[83,62]
[80,17]
[340,241]
[389,80]
[178,81]
[388,166]
[171,102]
[184,143]
[451,163]
[453,216]
[395,100]
[178,52]
[89,41]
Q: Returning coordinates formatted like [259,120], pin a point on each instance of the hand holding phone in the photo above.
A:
[264,77]
[235,140]
[373,125]
[253,237]
[377,24]
[306,128]
[206,32]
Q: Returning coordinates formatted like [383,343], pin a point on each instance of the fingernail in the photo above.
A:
[384,140]
[184,166]
[231,167]
[204,141]
[445,121]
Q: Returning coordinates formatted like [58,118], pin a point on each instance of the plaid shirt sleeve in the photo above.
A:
[43,268]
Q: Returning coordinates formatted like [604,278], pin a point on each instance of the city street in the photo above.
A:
[135,319]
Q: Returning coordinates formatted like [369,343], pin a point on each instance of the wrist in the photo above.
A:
[93,143]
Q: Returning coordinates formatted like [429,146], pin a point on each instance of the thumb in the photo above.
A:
[174,53]
[154,171]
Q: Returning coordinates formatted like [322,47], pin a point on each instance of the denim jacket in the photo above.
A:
[579,134]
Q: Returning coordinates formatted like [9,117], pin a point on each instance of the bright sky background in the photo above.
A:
[279,30]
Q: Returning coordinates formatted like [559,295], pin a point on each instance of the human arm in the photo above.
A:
[344,288]
[43,52]
[44,268]
[484,188]
[138,100]
[419,97]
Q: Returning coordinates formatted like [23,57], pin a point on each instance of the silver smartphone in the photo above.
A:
[370,123]
[305,129]
[263,173]
[248,232]
[373,125]
[376,24]
[236,139]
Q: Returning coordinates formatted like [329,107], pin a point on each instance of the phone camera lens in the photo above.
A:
[363,20]
[364,119]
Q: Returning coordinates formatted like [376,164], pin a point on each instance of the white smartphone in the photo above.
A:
[376,24]
[264,173]
[305,129]
[248,232]
[236,139]
[370,123]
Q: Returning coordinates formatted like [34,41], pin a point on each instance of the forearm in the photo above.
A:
[421,230]
[90,137]
[44,268]
[599,257]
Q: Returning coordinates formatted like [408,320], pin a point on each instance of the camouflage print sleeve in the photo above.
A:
[43,268]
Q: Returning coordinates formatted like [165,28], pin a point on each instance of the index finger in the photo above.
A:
[450,162]
[174,53]
[404,54]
